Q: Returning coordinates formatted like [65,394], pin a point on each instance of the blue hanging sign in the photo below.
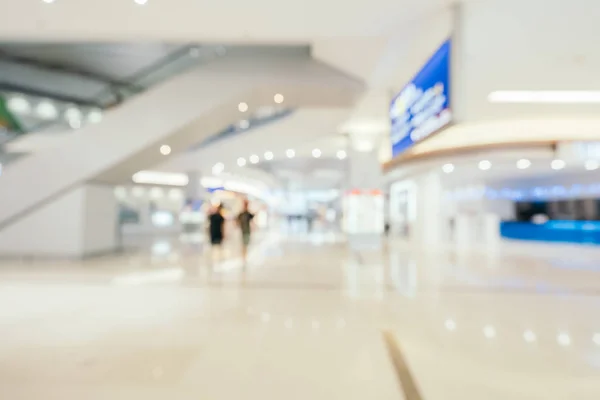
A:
[423,106]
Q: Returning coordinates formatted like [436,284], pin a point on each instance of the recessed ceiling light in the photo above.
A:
[448,168]
[73,113]
[529,336]
[241,162]
[341,154]
[243,107]
[592,165]
[278,98]
[558,164]
[563,339]
[48,1]
[268,155]
[450,325]
[254,159]
[140,2]
[94,116]
[316,153]
[19,105]
[165,150]
[489,332]
[218,168]
[46,110]
[523,163]
[484,165]
[290,153]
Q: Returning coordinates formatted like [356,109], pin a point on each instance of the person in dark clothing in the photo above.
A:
[244,221]
[216,228]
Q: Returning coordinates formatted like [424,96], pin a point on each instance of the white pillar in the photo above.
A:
[491,230]
[194,190]
[192,219]
[463,229]
[364,200]
[427,228]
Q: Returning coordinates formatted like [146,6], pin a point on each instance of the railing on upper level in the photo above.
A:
[36,111]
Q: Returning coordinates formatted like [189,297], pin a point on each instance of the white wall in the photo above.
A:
[53,230]
[81,222]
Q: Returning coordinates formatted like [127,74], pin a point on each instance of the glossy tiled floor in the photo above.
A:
[304,320]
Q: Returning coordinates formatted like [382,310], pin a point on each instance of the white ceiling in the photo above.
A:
[218,21]
[382,42]
[529,45]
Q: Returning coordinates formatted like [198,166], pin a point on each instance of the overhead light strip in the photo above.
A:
[545,96]
[160,178]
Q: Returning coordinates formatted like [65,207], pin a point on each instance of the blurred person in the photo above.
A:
[310,219]
[216,230]
[244,220]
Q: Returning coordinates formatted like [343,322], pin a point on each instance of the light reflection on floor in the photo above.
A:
[303,320]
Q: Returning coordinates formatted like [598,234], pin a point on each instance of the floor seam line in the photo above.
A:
[404,376]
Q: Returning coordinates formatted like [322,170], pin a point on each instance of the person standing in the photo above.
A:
[244,221]
[217,230]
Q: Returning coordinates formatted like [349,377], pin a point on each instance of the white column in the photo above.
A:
[363,200]
[194,190]
[491,230]
[495,212]
[427,228]
[191,218]
[458,59]
[463,229]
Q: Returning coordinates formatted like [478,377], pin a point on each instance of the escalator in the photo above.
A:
[182,111]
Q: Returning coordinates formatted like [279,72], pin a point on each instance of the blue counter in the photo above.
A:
[587,232]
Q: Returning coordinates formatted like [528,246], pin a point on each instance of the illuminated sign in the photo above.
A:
[423,106]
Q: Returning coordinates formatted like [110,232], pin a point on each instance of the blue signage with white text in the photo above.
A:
[423,106]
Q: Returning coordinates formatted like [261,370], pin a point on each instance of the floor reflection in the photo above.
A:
[305,310]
